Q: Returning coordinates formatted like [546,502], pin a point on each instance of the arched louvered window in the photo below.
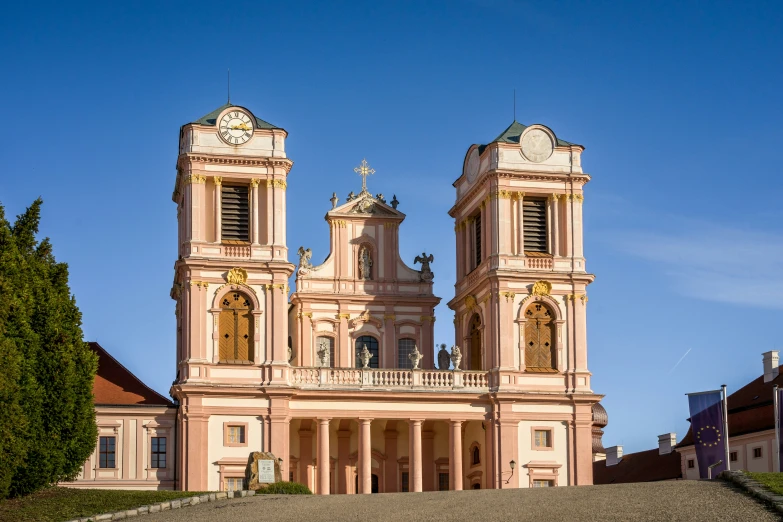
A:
[235,332]
[475,343]
[540,353]
[404,349]
[372,347]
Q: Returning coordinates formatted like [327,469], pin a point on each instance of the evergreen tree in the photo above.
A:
[47,418]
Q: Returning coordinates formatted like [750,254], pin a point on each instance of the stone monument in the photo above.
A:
[263,469]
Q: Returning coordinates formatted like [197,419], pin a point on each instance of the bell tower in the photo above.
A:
[520,299]
[231,273]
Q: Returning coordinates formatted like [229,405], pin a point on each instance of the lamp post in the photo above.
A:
[512,465]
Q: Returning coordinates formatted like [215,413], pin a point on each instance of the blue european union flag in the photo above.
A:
[708,431]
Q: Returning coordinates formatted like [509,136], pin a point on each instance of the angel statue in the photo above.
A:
[425,274]
[304,260]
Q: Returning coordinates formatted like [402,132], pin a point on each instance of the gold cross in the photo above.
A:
[364,170]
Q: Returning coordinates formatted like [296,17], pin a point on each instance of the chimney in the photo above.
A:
[614,455]
[771,363]
[666,443]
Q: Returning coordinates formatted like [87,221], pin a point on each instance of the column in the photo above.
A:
[255,215]
[343,465]
[306,455]
[323,457]
[554,225]
[508,450]
[569,230]
[577,226]
[279,432]
[218,207]
[365,457]
[428,461]
[455,456]
[390,448]
[414,456]
[520,224]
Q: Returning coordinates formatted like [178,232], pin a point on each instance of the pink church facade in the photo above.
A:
[342,381]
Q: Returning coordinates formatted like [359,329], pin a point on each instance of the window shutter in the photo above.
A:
[534,216]
[234,213]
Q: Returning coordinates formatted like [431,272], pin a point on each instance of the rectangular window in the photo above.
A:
[733,456]
[235,484]
[158,452]
[690,464]
[290,476]
[107,452]
[543,483]
[542,438]
[477,236]
[534,219]
[404,482]
[404,349]
[235,213]
[235,435]
[756,453]
[443,481]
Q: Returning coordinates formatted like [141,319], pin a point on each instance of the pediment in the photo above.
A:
[366,205]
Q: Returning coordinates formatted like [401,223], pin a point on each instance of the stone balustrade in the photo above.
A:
[308,377]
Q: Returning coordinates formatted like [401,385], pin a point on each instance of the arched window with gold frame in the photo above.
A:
[540,355]
[475,343]
[236,329]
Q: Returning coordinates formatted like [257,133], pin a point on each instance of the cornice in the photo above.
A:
[478,185]
[229,160]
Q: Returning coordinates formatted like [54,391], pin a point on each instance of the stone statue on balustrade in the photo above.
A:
[414,357]
[456,357]
[425,274]
[365,356]
[444,360]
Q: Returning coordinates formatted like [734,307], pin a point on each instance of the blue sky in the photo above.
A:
[678,105]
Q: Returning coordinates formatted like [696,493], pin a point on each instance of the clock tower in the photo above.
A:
[230,286]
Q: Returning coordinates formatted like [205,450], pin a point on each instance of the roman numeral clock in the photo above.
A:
[236,127]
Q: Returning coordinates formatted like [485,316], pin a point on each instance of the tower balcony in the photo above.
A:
[387,378]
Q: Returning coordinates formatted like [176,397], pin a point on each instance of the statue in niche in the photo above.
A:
[425,274]
[365,263]
[456,356]
[323,353]
[444,360]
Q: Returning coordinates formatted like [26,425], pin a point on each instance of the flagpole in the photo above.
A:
[776,467]
[726,424]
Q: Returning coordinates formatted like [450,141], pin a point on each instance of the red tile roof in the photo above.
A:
[644,466]
[114,384]
[750,409]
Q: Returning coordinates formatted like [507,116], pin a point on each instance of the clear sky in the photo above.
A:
[677,104]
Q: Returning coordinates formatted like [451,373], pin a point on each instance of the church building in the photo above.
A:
[340,378]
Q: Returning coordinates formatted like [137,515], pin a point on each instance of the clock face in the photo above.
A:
[236,127]
[473,166]
[537,145]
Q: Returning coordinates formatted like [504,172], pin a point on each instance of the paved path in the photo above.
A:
[665,501]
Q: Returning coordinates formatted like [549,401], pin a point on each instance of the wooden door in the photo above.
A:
[539,339]
[235,328]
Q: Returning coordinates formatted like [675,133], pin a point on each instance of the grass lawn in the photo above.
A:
[774,481]
[59,504]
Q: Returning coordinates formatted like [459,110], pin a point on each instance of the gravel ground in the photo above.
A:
[665,501]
